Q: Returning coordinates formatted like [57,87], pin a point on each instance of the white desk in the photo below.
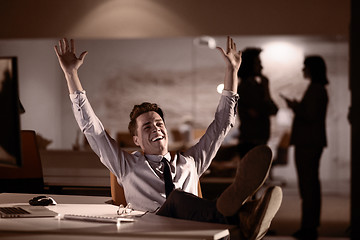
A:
[150,226]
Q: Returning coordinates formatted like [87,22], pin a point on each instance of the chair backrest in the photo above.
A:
[29,177]
[117,191]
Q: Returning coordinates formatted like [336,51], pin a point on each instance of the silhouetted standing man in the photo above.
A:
[255,104]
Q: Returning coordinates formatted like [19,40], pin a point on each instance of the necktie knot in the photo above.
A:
[169,185]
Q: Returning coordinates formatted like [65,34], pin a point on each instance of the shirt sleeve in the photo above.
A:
[107,149]
[205,150]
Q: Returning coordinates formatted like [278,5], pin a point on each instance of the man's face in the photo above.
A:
[151,134]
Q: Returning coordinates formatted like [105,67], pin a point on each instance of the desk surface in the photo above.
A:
[149,226]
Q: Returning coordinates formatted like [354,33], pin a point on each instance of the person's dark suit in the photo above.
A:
[309,138]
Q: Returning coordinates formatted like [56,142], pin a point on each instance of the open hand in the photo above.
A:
[231,56]
[66,55]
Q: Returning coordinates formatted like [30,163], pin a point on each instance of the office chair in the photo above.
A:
[117,191]
[29,177]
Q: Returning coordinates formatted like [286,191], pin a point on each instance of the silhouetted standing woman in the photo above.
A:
[309,138]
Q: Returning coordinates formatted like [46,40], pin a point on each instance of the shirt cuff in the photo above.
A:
[77,92]
[229,93]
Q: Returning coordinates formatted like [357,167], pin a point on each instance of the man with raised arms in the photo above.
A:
[153,180]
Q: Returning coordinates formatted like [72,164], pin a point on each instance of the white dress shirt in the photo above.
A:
[142,175]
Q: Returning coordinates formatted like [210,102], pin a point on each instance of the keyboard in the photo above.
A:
[13,210]
[103,219]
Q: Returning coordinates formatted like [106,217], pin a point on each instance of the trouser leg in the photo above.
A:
[253,219]
[187,206]
[307,160]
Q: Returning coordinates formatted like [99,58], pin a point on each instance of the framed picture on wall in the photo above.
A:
[10,109]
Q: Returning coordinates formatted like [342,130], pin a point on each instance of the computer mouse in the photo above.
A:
[42,201]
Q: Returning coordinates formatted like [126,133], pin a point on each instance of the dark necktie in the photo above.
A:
[169,185]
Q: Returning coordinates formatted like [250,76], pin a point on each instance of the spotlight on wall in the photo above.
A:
[205,41]
[282,52]
[282,58]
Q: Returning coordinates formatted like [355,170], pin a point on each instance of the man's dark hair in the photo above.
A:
[248,57]
[140,109]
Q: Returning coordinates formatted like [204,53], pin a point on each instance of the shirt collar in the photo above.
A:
[158,158]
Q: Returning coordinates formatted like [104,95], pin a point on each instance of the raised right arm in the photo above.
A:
[69,63]
[101,143]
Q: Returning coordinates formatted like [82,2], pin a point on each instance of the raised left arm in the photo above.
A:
[233,61]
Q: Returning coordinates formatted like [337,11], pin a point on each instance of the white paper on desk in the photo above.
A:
[91,209]
[84,209]
[133,213]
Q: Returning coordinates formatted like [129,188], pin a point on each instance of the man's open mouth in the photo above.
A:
[158,138]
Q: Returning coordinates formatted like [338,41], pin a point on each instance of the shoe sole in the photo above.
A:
[251,181]
[267,210]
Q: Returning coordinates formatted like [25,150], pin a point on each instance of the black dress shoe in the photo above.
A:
[255,217]
[306,234]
